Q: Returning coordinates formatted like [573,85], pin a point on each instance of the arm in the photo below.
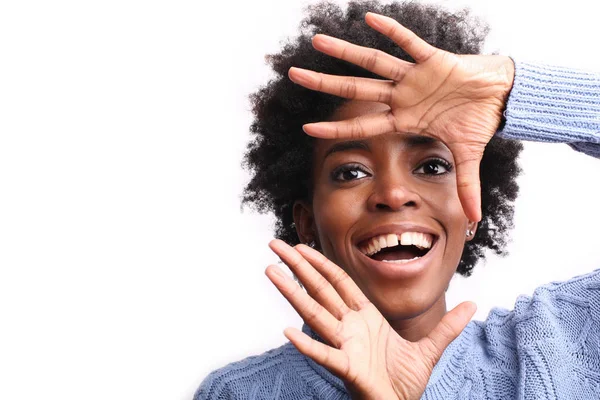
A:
[554,104]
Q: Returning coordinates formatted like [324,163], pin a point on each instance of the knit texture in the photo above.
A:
[554,104]
[548,347]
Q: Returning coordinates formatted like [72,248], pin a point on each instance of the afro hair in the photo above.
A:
[279,156]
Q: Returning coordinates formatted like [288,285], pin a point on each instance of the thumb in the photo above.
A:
[468,184]
[448,329]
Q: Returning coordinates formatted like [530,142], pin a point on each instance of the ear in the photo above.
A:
[304,221]
[472,226]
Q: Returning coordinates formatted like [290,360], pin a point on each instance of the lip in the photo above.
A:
[391,270]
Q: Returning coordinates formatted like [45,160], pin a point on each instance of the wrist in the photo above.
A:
[508,70]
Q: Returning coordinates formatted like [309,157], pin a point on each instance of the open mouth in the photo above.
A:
[399,249]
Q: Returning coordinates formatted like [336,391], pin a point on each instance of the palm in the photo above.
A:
[380,361]
[362,348]
[451,97]
[457,99]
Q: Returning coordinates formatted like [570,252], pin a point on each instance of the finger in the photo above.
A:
[468,184]
[359,127]
[314,314]
[416,47]
[372,60]
[327,356]
[339,279]
[317,286]
[448,329]
[348,87]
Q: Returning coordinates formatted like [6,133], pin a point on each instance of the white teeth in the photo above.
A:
[392,240]
[421,240]
[375,244]
[401,261]
[371,249]
[382,242]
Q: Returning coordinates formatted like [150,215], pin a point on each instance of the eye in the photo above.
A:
[434,166]
[349,172]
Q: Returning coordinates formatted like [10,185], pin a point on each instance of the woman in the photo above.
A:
[388,195]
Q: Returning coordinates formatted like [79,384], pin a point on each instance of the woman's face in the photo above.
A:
[366,190]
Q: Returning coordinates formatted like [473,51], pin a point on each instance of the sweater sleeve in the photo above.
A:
[554,104]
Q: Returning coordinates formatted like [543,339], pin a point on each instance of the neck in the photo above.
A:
[415,328]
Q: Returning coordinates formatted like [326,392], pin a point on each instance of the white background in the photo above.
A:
[127,270]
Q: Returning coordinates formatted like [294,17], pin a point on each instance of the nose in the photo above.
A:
[393,192]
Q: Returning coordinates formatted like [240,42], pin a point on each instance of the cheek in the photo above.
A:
[455,222]
[336,212]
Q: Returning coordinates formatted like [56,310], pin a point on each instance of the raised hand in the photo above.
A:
[456,98]
[363,350]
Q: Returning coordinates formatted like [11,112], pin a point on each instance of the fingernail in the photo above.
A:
[376,20]
[324,42]
[296,336]
[301,76]
[310,129]
[278,273]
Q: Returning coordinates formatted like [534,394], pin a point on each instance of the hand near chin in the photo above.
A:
[456,98]
[363,350]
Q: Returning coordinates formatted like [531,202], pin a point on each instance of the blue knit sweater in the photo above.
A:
[548,347]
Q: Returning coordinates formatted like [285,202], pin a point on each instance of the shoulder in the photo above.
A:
[271,375]
[556,311]
[548,341]
[558,300]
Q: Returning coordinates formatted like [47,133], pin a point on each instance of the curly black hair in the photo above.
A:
[279,156]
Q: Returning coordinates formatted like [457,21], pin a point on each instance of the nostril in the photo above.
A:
[381,206]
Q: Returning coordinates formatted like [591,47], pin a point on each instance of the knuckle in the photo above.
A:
[370,61]
[385,96]
[295,261]
[465,183]
[446,331]
[390,117]
[410,40]
[396,72]
[343,53]
[469,155]
[348,89]
[430,351]
[392,31]
[320,285]
[355,128]
[339,276]
[360,129]
[363,303]
[320,82]
[343,309]
[338,132]
[313,311]
[294,292]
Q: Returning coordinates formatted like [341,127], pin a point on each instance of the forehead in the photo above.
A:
[355,108]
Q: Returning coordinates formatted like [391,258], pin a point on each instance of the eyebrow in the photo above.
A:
[411,142]
[419,140]
[349,145]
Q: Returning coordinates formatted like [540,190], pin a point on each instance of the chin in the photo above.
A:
[405,303]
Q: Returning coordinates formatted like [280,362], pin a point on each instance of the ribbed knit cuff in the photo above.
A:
[553,104]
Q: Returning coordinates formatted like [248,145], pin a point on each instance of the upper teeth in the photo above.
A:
[376,243]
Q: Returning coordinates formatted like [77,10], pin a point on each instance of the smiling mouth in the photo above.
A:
[398,249]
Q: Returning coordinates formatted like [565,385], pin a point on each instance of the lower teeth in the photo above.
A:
[401,261]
